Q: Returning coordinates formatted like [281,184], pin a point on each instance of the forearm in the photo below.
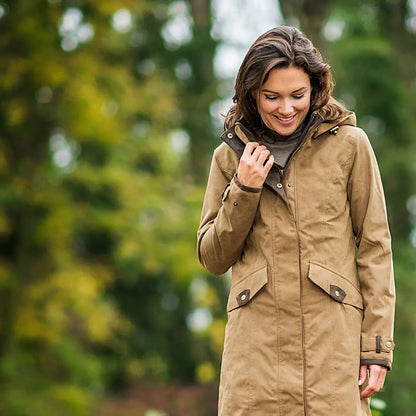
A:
[374,257]
[377,287]
[224,228]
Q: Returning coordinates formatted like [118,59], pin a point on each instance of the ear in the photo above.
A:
[255,94]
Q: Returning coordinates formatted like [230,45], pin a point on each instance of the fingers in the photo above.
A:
[254,153]
[363,375]
[375,380]
[249,149]
[255,164]
[263,155]
[269,163]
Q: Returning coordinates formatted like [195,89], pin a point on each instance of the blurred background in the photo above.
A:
[109,113]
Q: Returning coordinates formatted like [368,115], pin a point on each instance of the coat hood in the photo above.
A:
[348,119]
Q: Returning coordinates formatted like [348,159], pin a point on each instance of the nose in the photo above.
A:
[286,107]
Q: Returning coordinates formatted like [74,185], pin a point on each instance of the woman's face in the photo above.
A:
[284,99]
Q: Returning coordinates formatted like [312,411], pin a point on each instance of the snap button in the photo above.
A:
[230,135]
[289,185]
[337,293]
[243,297]
[388,344]
[235,203]
[334,130]
[279,185]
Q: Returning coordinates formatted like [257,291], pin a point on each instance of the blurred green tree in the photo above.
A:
[97,218]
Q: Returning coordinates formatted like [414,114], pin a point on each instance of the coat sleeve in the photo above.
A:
[374,255]
[227,215]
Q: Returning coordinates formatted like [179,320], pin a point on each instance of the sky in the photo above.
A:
[237,24]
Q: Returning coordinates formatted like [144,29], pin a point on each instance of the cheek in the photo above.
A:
[266,106]
[305,104]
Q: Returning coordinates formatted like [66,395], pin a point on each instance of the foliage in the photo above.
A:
[97,218]
[105,141]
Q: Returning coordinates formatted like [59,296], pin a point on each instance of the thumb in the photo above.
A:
[363,374]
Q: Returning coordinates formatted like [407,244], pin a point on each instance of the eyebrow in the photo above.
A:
[301,89]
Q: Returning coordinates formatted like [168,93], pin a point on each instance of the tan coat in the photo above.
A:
[299,319]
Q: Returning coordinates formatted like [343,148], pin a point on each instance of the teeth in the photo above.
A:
[285,119]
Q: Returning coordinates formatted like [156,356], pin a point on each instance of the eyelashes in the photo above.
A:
[273,97]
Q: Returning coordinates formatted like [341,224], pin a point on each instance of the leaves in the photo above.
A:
[105,141]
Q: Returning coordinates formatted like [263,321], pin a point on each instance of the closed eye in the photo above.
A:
[274,97]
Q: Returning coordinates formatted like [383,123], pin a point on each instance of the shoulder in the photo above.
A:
[355,138]
[353,133]
[226,159]
[344,142]
[345,129]
[357,148]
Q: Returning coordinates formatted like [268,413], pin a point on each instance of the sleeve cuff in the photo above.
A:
[377,350]
[244,187]
[383,363]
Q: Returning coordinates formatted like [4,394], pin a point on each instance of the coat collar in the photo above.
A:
[332,127]
[245,135]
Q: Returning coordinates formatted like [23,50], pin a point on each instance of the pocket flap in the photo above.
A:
[336,286]
[245,289]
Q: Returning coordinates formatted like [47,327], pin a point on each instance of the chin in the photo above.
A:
[285,131]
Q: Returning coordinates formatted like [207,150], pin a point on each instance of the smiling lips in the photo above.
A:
[285,120]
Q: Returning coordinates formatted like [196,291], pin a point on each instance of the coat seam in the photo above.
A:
[333,367]
[250,388]
[294,214]
[276,297]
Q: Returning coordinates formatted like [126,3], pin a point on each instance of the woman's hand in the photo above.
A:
[375,379]
[255,164]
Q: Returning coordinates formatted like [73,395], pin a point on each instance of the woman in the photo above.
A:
[294,205]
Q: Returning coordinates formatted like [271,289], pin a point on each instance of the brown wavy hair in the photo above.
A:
[282,47]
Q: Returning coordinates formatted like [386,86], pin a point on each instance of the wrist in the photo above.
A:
[247,188]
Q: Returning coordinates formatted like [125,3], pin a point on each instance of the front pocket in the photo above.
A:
[336,286]
[244,290]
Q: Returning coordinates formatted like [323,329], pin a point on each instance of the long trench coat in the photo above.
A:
[312,292]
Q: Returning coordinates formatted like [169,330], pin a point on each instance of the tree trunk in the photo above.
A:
[201,90]
[311,16]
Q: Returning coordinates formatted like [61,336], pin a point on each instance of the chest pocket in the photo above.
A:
[245,289]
